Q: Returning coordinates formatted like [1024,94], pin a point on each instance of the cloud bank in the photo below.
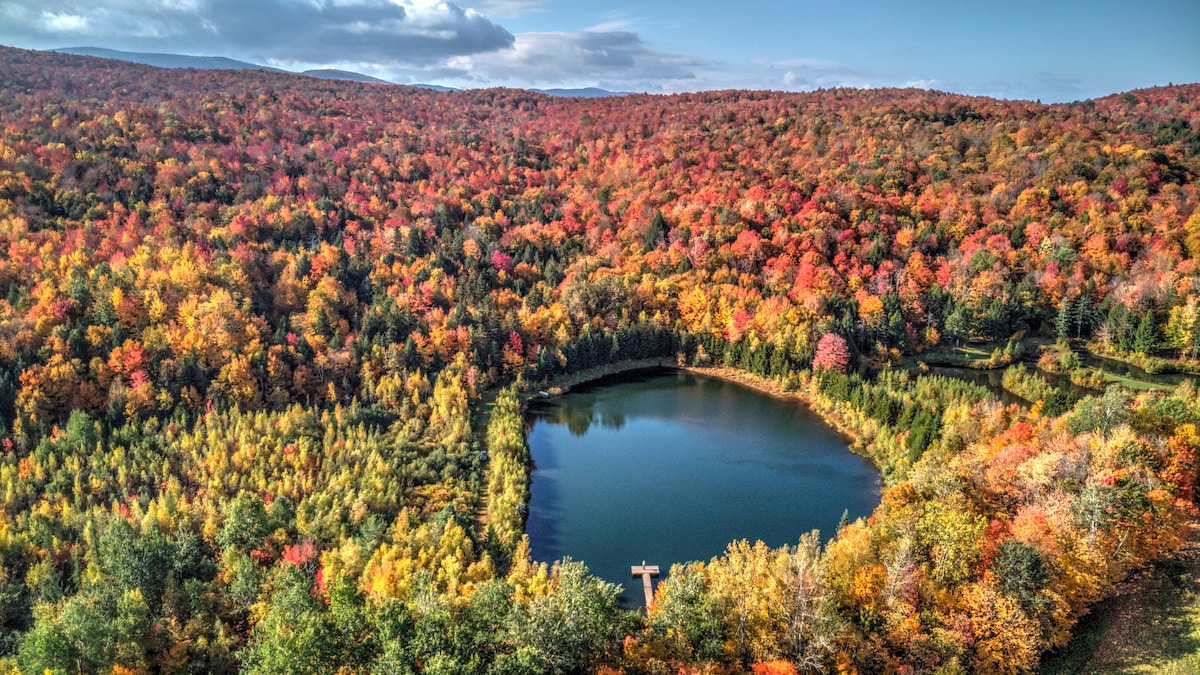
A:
[577,58]
[507,9]
[384,32]
[407,41]
[400,40]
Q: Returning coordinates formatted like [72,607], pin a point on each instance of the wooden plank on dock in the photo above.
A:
[646,572]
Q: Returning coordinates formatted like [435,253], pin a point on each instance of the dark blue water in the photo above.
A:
[666,466]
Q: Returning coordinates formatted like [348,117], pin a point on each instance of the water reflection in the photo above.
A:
[1129,370]
[577,419]
[991,379]
[669,466]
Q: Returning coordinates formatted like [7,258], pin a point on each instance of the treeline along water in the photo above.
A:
[668,466]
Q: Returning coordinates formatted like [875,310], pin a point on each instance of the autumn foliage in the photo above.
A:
[832,354]
[263,337]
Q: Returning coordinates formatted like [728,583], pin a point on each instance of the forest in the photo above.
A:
[264,341]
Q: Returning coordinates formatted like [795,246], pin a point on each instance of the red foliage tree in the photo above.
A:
[832,354]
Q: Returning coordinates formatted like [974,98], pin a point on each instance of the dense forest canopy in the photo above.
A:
[256,329]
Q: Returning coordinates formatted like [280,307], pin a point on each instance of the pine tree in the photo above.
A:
[1082,316]
[1062,324]
[1126,329]
[958,326]
[1145,340]
[655,232]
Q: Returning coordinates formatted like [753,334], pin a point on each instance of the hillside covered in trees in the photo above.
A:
[256,331]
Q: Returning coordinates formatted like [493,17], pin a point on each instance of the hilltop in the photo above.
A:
[160,60]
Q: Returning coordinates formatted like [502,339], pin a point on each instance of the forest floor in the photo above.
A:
[975,356]
[1151,624]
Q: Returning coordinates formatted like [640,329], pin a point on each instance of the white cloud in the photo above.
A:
[928,83]
[383,32]
[579,58]
[64,23]
[507,9]
[806,74]
[400,40]
[609,26]
[1043,86]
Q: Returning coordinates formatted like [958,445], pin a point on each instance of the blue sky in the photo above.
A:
[1049,50]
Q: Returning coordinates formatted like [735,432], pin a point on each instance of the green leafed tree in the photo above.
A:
[573,628]
[686,617]
[298,634]
[92,633]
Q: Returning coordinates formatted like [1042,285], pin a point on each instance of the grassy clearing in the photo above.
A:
[1151,624]
[963,355]
[1058,358]
[1135,383]
[970,352]
[980,356]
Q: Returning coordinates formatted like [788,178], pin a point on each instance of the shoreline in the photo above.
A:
[830,416]
[563,384]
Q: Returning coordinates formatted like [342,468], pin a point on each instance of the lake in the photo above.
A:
[668,466]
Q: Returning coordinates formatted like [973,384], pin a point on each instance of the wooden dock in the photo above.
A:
[646,572]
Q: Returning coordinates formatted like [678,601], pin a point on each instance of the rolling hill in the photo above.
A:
[257,332]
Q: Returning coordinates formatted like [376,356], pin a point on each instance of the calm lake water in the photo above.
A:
[667,466]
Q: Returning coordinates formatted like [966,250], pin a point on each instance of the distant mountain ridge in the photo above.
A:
[163,60]
[585,92]
[345,75]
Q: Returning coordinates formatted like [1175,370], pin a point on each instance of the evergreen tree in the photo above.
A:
[1126,328]
[1062,324]
[1145,340]
[1082,316]
[995,320]
[958,326]
[655,232]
